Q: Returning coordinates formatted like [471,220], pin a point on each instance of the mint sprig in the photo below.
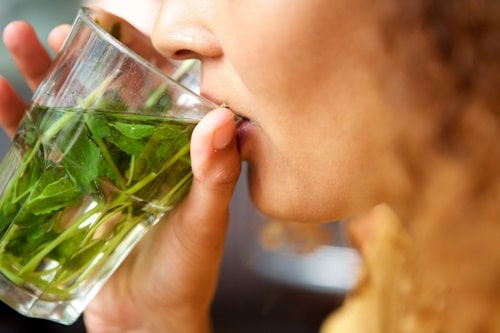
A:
[96,173]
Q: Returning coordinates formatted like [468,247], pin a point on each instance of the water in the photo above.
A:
[78,190]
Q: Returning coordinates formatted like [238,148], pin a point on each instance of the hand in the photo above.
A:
[168,281]
[32,60]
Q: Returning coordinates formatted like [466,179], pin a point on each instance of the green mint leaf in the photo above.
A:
[33,236]
[51,194]
[130,146]
[163,142]
[98,127]
[81,161]
[134,131]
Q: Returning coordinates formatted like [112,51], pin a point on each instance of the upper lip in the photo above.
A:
[211,98]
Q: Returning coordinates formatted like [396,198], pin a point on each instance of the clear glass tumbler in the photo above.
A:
[101,155]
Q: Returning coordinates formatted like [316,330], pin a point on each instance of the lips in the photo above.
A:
[243,134]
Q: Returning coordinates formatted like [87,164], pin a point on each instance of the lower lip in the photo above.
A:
[243,130]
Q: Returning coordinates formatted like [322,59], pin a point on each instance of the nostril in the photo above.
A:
[182,53]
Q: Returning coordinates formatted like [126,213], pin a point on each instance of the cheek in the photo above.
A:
[306,175]
[258,70]
[325,165]
[277,48]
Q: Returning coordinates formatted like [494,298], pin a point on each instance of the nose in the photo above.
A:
[181,31]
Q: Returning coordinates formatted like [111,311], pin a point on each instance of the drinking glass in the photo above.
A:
[101,155]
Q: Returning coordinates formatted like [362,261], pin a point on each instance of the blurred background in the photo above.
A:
[275,277]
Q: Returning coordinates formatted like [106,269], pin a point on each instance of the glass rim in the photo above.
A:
[84,14]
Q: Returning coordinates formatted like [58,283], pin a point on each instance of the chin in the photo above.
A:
[277,203]
[276,200]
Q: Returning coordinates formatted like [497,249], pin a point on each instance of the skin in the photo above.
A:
[297,120]
[321,136]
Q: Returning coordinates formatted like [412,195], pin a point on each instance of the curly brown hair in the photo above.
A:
[438,268]
[449,52]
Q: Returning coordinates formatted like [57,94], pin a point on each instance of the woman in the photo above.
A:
[383,112]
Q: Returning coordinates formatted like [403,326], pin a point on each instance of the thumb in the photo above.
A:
[196,229]
[202,217]
[201,220]
[216,162]
[216,165]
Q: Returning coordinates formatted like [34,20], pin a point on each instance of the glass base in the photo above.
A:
[28,304]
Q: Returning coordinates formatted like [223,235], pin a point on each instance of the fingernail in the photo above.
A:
[223,135]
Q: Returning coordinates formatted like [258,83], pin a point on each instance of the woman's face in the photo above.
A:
[305,75]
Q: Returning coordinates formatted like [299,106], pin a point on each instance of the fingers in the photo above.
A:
[11,107]
[193,237]
[32,60]
[28,53]
[57,36]
[202,221]
[216,167]
[202,218]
